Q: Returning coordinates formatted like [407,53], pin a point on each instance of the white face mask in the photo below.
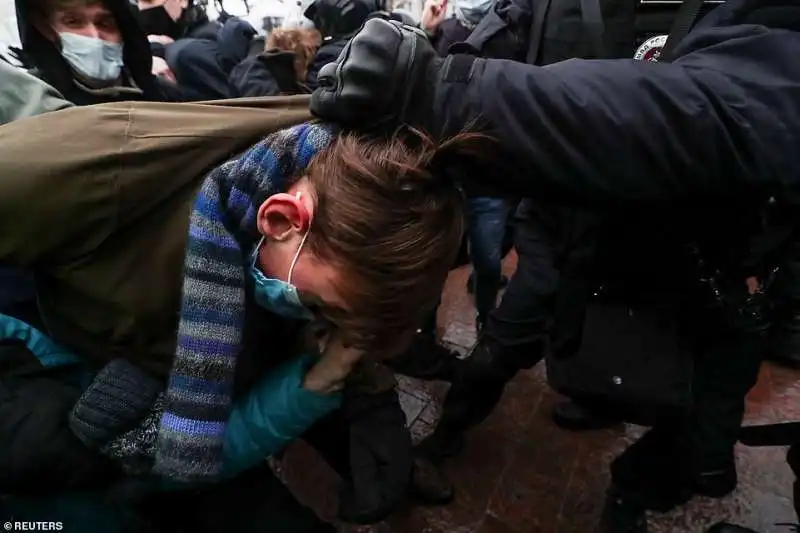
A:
[471,12]
[94,58]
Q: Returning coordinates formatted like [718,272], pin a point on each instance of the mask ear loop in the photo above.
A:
[297,256]
[299,249]
[255,252]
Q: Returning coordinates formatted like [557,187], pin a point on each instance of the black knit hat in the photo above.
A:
[119,397]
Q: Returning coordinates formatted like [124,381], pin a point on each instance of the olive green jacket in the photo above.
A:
[96,201]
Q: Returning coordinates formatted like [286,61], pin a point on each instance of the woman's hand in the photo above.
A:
[335,364]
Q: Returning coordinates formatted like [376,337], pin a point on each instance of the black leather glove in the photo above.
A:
[383,78]
[380,457]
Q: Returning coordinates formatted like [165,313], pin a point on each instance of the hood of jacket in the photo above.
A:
[45,58]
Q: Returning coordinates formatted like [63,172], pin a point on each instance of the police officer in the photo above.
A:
[717,127]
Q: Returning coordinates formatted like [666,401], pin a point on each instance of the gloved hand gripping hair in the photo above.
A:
[384,77]
[221,233]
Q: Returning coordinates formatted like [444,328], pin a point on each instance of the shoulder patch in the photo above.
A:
[650,50]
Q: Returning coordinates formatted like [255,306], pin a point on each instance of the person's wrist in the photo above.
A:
[424,99]
[328,374]
[316,384]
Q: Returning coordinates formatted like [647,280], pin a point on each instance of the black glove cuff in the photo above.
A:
[453,69]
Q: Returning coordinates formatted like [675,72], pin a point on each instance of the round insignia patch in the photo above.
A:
[651,48]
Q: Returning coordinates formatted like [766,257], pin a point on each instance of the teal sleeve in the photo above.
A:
[49,353]
[274,413]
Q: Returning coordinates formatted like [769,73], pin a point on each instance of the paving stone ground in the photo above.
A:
[519,473]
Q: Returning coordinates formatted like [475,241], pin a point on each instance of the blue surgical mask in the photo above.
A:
[277,295]
[92,57]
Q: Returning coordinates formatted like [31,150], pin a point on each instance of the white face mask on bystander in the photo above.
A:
[471,12]
[94,58]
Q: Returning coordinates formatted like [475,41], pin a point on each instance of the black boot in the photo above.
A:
[429,485]
[622,516]
[575,416]
[478,385]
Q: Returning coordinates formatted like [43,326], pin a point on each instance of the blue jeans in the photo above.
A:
[486,220]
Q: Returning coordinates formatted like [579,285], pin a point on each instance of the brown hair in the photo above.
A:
[390,216]
[304,44]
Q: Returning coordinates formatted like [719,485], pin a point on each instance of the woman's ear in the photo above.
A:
[281,215]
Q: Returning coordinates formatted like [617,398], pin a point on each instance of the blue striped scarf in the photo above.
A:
[222,232]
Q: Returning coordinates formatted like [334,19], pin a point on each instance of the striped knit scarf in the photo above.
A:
[222,232]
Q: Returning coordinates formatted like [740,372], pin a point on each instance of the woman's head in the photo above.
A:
[383,224]
[303,43]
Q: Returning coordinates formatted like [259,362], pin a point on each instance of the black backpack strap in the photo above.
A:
[687,15]
[592,17]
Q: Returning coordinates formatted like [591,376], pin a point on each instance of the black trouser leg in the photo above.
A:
[785,347]
[330,437]
[514,338]
[696,455]
[723,377]
[470,400]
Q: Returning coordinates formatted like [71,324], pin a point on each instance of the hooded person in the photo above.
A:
[91,51]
